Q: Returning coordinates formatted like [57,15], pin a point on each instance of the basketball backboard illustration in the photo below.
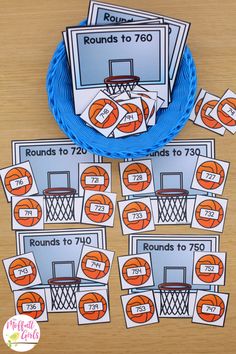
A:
[173,169]
[117,50]
[57,253]
[172,263]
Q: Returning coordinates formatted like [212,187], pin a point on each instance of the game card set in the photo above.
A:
[121,50]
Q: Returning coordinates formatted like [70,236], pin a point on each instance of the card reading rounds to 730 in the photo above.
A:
[121,49]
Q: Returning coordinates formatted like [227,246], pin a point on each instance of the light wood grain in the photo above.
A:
[29,33]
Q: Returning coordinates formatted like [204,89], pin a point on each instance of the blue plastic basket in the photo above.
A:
[170,120]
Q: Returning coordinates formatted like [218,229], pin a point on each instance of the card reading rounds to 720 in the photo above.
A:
[122,51]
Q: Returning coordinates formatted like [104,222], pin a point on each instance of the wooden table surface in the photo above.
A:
[29,33]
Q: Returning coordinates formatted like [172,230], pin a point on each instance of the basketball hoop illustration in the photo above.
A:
[121,83]
[63,290]
[174,298]
[172,205]
[60,204]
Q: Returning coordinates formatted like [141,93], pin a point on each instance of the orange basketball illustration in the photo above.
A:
[99,208]
[206,175]
[18,181]
[209,213]
[198,105]
[210,308]
[135,113]
[227,117]
[145,109]
[31,304]
[132,275]
[140,309]
[207,120]
[103,113]
[94,178]
[137,177]
[204,268]
[136,215]
[22,271]
[92,306]
[95,264]
[27,212]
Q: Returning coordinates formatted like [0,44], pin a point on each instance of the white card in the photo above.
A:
[225,111]
[103,114]
[134,121]
[18,180]
[31,302]
[122,97]
[27,213]
[99,208]
[209,213]
[95,264]
[95,177]
[22,271]
[136,215]
[210,308]
[92,307]
[136,177]
[135,271]
[197,105]
[149,105]
[210,175]
[203,117]
[209,268]
[139,309]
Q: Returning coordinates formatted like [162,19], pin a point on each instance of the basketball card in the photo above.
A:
[31,302]
[204,118]
[94,177]
[92,306]
[99,208]
[95,264]
[225,111]
[209,268]
[210,308]
[197,105]
[18,180]
[210,175]
[209,213]
[136,177]
[139,309]
[136,215]
[22,271]
[27,213]
[135,271]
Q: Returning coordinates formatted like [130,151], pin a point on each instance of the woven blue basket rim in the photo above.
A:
[129,152]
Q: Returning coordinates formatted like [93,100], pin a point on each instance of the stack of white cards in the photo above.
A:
[145,49]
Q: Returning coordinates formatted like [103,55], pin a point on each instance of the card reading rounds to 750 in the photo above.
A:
[121,50]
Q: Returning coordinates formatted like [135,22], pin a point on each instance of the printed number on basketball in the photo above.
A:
[99,208]
[140,309]
[137,177]
[140,215]
[19,182]
[208,176]
[206,268]
[107,109]
[20,272]
[97,180]
[93,306]
[209,214]
[95,264]
[131,117]
[31,213]
[211,309]
[32,306]
[133,272]
[229,110]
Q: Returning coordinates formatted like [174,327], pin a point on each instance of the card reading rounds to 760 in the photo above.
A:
[121,50]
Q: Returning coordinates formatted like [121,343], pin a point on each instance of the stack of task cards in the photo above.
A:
[122,75]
